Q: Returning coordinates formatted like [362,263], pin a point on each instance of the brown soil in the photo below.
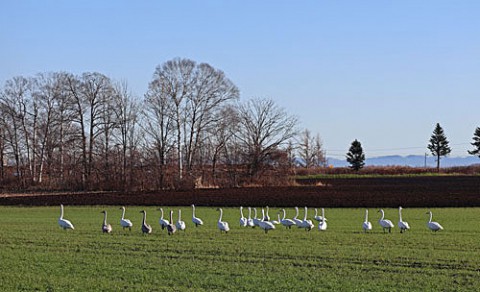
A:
[441,191]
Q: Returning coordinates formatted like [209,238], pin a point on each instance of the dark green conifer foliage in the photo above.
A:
[355,156]
[476,143]
[439,144]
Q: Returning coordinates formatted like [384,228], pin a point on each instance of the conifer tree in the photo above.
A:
[439,144]
[476,143]
[355,156]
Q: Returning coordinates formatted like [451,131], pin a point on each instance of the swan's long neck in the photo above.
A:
[144,217]
[249,213]
[241,212]
[278,214]
[221,215]
[383,214]
[400,213]
[161,210]
[263,215]
[123,213]
[296,213]
[61,211]
[323,215]
[316,212]
[193,212]
[267,212]
[431,215]
[284,214]
[305,216]
[255,212]
[366,215]
[171,217]
[179,215]
[105,218]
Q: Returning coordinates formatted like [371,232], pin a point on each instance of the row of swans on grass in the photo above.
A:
[266,225]
[402,225]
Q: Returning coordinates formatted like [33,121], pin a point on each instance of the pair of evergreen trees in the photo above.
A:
[438,147]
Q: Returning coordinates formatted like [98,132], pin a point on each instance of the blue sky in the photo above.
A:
[383,72]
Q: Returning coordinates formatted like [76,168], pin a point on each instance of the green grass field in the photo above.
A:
[37,255]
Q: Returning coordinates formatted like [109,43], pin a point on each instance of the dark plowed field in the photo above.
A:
[442,191]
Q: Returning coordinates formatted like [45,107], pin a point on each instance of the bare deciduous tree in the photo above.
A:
[311,150]
[263,128]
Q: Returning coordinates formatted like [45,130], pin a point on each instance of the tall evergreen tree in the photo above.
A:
[439,144]
[355,156]
[476,143]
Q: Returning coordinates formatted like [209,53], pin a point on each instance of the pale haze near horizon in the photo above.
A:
[382,72]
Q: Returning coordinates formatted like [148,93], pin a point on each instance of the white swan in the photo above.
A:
[197,221]
[297,221]
[402,224]
[366,224]
[171,228]
[222,225]
[265,225]
[64,223]
[322,226]
[434,226]
[256,221]
[146,229]
[288,223]
[266,217]
[106,228]
[276,222]
[250,220]
[163,222]
[385,223]
[180,224]
[125,222]
[318,218]
[307,223]
[243,220]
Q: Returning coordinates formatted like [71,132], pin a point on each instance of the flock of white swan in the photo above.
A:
[264,222]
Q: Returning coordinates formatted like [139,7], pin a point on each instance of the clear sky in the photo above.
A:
[383,72]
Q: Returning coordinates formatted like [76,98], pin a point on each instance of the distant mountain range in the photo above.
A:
[410,160]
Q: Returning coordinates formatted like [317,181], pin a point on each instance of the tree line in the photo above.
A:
[61,131]
[438,146]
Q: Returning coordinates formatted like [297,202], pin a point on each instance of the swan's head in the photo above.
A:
[122,208]
[103,212]
[193,205]
[143,211]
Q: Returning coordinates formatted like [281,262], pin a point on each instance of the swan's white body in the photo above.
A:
[146,229]
[106,228]
[322,226]
[403,225]
[265,225]
[222,225]
[297,221]
[163,222]
[64,223]
[434,226]
[256,221]
[125,222]
[243,220]
[180,224]
[250,220]
[366,224]
[171,228]
[318,218]
[288,223]
[385,223]
[197,221]
[307,223]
